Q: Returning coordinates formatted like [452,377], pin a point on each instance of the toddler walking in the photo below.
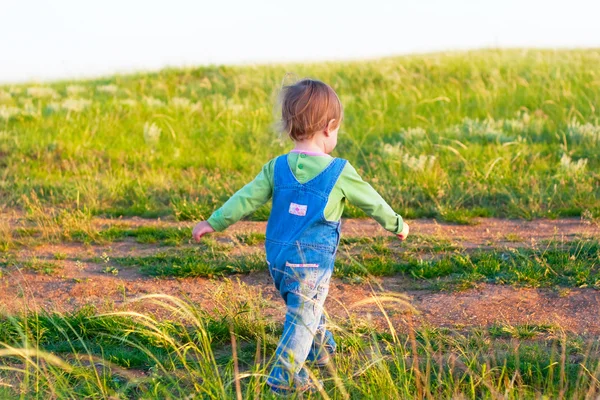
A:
[309,189]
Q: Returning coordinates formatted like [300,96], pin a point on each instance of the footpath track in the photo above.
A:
[82,283]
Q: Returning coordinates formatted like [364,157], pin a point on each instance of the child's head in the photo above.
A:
[311,108]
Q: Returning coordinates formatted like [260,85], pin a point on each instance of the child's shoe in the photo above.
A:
[322,349]
[322,357]
[302,383]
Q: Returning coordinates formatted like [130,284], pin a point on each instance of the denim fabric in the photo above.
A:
[301,246]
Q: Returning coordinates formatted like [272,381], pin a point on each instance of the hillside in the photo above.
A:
[504,133]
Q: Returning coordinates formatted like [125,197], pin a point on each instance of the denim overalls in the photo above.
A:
[301,246]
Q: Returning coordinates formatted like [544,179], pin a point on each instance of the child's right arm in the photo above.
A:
[243,202]
[362,195]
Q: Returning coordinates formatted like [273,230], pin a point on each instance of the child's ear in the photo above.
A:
[330,127]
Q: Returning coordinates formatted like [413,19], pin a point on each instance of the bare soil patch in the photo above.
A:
[80,283]
[574,310]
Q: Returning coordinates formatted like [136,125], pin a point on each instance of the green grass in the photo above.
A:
[570,264]
[526,331]
[55,232]
[167,236]
[138,355]
[252,238]
[33,264]
[509,133]
[574,264]
[193,262]
[503,133]
[432,262]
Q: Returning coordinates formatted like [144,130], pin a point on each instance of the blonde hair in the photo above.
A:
[307,106]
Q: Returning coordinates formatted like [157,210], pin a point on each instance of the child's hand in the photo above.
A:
[402,235]
[201,229]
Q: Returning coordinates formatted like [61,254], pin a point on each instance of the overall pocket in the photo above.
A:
[305,268]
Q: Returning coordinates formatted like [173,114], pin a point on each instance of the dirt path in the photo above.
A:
[485,231]
[574,310]
[83,283]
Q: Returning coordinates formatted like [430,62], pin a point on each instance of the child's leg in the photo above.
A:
[304,290]
[323,344]
[301,322]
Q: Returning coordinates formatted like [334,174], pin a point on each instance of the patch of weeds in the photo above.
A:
[427,242]
[194,262]
[106,236]
[24,232]
[164,236]
[60,256]
[8,260]
[467,282]
[136,211]
[380,247]
[251,238]
[41,266]
[210,244]
[588,218]
[114,233]
[55,224]
[513,237]
[6,237]
[566,212]
[458,216]
[454,282]
[364,264]
[526,331]
[5,245]
[170,236]
[185,210]
[110,270]
[355,240]
[574,264]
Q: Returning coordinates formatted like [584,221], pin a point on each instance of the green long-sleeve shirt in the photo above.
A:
[349,187]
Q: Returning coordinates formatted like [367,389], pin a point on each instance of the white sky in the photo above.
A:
[44,40]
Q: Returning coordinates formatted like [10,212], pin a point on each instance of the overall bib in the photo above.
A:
[301,246]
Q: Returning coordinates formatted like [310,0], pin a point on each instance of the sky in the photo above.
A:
[60,39]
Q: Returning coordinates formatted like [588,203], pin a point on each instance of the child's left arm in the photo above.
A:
[362,195]
[243,202]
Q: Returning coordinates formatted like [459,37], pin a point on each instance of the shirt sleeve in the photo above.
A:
[246,200]
[362,195]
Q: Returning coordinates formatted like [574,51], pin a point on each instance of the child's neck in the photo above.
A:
[310,146]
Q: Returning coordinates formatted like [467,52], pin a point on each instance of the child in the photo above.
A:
[309,189]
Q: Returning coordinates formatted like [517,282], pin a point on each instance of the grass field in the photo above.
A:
[509,133]
[97,304]
[203,337]
[192,355]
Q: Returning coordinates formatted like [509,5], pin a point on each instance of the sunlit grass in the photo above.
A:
[459,135]
[134,354]
[570,264]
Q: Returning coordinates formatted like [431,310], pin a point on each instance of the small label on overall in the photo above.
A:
[298,209]
[304,265]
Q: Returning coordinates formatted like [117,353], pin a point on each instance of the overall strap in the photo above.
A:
[329,177]
[282,173]
[323,182]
